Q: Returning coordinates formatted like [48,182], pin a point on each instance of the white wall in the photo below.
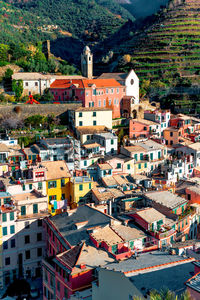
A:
[133,89]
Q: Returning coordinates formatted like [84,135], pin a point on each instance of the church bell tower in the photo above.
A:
[87,63]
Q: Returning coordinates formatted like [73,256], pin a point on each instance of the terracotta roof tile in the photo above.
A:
[85,83]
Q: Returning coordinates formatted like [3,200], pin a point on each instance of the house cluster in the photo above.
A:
[91,209]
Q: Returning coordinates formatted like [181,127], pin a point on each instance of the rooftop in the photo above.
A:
[85,83]
[116,76]
[68,225]
[107,135]
[195,146]
[194,282]
[28,196]
[91,129]
[104,166]
[150,215]
[128,233]
[92,109]
[56,169]
[108,235]
[147,262]
[144,121]
[4,148]
[166,198]
[57,141]
[103,194]
[36,76]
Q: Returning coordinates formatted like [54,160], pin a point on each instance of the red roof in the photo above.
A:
[84,83]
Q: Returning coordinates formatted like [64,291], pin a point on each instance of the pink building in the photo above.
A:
[70,261]
[91,92]
[140,128]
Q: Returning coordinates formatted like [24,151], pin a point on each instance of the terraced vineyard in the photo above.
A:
[170,46]
[174,42]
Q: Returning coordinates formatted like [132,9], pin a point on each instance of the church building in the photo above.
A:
[118,91]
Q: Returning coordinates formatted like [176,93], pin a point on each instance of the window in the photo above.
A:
[39,252]
[141,156]
[30,186]
[189,197]
[132,81]
[80,115]
[80,187]
[5,245]
[99,103]
[39,222]
[159,155]
[36,83]
[26,224]
[112,91]
[12,243]
[171,142]
[94,114]
[7,261]
[28,254]
[27,239]
[39,185]
[52,184]
[151,156]
[135,157]
[39,237]
[112,142]
[62,182]
[85,163]
[5,231]
[128,167]
[63,196]
[24,187]
[110,102]
[80,123]
[94,123]
[52,197]
[139,166]
[118,165]
[145,128]
[12,229]
[94,92]
[106,91]
[12,216]
[90,186]
[145,165]
[104,102]
[4,217]
[35,208]
[171,133]
[23,210]
[117,90]
[26,83]
[58,286]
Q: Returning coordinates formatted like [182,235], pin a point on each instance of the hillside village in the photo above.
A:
[91,210]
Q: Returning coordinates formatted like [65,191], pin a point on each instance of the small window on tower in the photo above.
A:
[132,81]
[89,58]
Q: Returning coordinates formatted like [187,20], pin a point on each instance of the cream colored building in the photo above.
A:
[23,236]
[90,116]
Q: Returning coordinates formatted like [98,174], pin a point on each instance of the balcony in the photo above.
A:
[164,232]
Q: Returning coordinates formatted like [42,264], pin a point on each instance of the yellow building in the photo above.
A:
[80,188]
[141,166]
[57,185]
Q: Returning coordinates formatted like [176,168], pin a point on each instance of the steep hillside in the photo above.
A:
[83,19]
[168,51]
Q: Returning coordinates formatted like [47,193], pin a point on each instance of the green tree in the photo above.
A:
[17,88]
[8,74]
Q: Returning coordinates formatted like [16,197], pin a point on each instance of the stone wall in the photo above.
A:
[25,110]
